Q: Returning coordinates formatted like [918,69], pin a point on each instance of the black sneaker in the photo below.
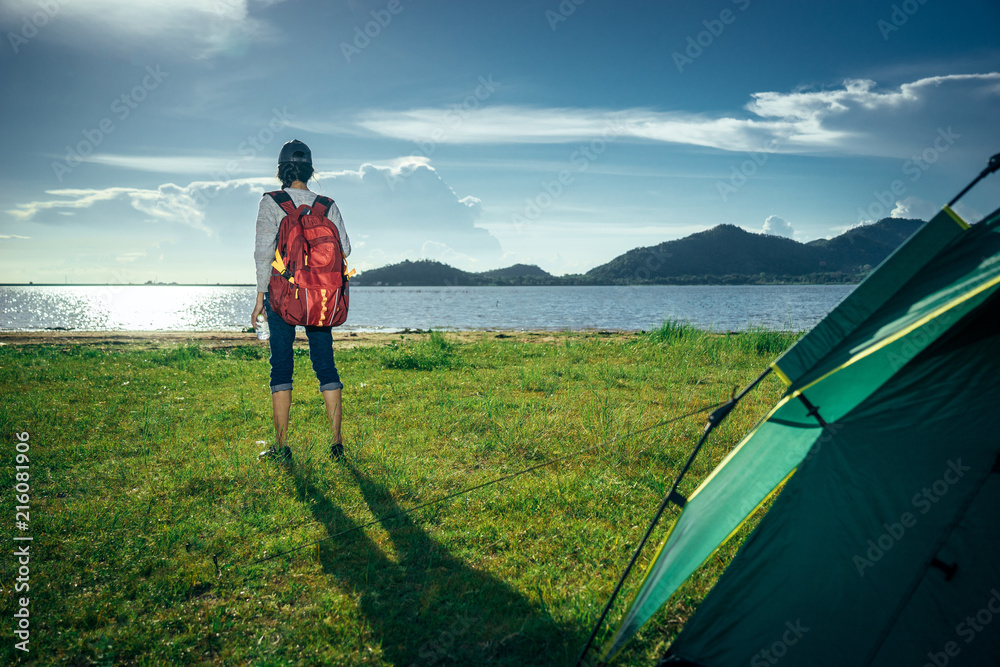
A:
[337,451]
[280,454]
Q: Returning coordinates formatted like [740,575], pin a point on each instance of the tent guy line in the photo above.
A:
[381,519]
[714,419]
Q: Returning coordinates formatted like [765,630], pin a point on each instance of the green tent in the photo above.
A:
[883,547]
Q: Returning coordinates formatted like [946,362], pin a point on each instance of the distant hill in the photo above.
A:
[725,254]
[427,272]
[730,254]
[414,274]
[866,245]
[517,270]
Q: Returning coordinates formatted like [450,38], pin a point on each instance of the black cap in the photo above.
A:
[295,151]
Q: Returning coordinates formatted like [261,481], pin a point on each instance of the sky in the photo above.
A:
[140,135]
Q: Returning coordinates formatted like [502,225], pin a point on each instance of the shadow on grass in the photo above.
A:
[426,606]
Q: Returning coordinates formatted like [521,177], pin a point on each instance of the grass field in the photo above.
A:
[150,512]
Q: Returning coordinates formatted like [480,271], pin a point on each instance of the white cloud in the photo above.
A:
[856,118]
[401,210]
[408,211]
[168,203]
[13,236]
[185,27]
[914,209]
[776,226]
[502,124]
[163,164]
[130,256]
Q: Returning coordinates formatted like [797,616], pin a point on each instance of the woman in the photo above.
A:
[294,171]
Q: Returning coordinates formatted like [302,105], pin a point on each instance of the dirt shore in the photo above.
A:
[226,339]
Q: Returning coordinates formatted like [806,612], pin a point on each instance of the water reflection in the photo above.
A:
[180,308]
[125,308]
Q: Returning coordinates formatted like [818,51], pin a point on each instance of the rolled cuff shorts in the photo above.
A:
[283,362]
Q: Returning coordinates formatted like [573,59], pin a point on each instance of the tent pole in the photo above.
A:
[993,165]
[714,420]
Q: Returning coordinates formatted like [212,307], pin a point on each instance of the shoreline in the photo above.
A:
[230,339]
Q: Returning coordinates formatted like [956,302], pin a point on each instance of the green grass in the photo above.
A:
[149,508]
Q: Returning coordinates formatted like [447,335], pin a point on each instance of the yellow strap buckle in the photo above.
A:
[279,264]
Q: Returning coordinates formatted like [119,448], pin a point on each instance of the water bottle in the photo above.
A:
[263,332]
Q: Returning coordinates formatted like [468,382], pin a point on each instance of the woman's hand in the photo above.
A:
[258,309]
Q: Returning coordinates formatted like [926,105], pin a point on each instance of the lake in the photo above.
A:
[182,308]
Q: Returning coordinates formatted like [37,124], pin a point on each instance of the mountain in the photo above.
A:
[729,254]
[720,251]
[725,254]
[867,245]
[517,270]
[410,274]
[427,272]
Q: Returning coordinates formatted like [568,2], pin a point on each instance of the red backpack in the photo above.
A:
[309,275]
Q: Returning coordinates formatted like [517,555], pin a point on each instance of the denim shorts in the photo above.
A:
[282,361]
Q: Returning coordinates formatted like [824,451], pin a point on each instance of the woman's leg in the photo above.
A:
[281,403]
[330,386]
[282,365]
[331,397]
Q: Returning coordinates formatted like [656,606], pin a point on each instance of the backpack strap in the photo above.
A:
[322,205]
[282,199]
